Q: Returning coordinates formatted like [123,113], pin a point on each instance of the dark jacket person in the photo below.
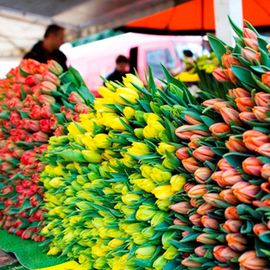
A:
[121,68]
[48,48]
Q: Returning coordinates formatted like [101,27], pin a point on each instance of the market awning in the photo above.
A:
[22,23]
[197,17]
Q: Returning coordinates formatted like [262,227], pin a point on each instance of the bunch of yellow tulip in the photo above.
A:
[110,180]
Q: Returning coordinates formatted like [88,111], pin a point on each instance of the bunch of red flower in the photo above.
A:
[36,102]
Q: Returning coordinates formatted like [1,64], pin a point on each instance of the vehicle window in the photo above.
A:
[154,59]
[170,61]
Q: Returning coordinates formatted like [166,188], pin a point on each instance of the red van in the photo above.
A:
[97,59]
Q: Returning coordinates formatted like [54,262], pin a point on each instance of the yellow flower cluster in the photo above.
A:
[110,181]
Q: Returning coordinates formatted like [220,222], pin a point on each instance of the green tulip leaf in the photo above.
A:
[189,238]
[260,246]
[244,75]
[260,69]
[235,158]
[247,228]
[260,83]
[218,46]
[265,251]
[250,26]
[265,58]
[265,237]
[262,45]
[236,28]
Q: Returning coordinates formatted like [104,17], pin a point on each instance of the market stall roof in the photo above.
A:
[197,17]
[23,22]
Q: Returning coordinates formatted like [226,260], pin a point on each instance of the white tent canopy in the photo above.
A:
[22,23]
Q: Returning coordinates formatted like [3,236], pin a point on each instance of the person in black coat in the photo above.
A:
[48,48]
[121,68]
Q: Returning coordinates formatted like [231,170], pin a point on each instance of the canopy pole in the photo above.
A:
[223,9]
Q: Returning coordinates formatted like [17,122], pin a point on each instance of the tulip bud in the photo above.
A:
[219,129]
[218,105]
[202,174]
[238,93]
[195,219]
[251,55]
[229,73]
[197,191]
[224,165]
[224,253]
[206,239]
[188,186]
[145,252]
[195,202]
[250,260]
[47,87]
[261,113]
[54,67]
[252,43]
[181,207]
[191,120]
[232,225]
[228,196]
[262,99]
[219,75]
[163,192]
[230,177]
[245,192]
[160,263]
[244,104]
[170,253]
[231,213]
[204,209]
[247,116]
[264,203]
[184,133]
[203,153]
[264,149]
[235,145]
[260,228]
[189,263]
[254,139]
[145,212]
[182,153]
[211,198]
[190,164]
[177,221]
[266,78]
[212,102]
[49,76]
[228,60]
[265,171]
[200,251]
[265,187]
[177,182]
[209,222]
[75,97]
[236,241]
[252,166]
[248,33]
[229,115]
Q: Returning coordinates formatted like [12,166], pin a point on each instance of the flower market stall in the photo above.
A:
[142,177]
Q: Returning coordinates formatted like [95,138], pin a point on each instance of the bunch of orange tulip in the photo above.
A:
[223,212]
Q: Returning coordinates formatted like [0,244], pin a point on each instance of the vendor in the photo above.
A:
[121,68]
[48,48]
